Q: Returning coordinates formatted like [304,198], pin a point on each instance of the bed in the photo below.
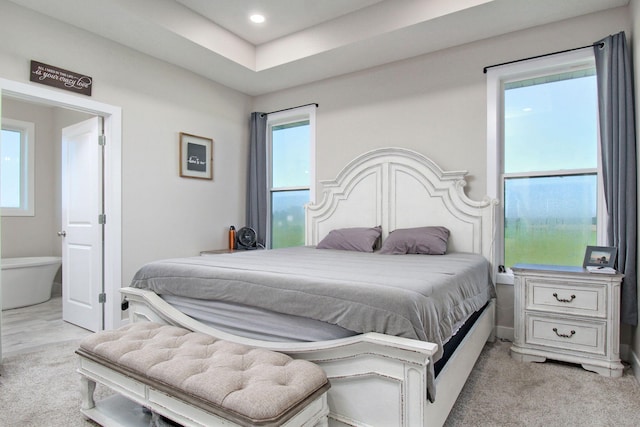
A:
[377,341]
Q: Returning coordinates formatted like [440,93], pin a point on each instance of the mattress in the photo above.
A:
[422,297]
[256,323]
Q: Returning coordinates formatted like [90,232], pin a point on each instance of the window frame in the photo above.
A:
[27,168]
[496,78]
[306,113]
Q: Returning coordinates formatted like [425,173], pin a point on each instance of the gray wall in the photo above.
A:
[163,215]
[36,235]
[434,104]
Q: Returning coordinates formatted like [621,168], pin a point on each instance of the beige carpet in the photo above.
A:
[40,389]
[504,392]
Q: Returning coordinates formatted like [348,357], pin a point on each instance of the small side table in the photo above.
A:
[228,251]
[218,251]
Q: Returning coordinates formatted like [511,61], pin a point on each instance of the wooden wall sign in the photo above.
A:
[60,78]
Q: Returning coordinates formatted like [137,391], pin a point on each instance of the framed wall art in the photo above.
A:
[196,156]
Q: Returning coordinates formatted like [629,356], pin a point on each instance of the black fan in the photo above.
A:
[247,238]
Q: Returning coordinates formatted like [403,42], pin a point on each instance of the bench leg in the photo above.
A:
[87,387]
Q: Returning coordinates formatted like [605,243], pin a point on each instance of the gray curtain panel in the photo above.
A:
[257,176]
[618,143]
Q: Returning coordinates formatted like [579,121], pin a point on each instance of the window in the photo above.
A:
[543,159]
[17,168]
[291,142]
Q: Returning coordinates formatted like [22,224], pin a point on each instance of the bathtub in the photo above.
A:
[27,281]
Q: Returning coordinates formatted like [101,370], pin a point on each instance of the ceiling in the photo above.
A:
[302,40]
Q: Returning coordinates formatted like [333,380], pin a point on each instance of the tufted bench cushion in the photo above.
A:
[250,386]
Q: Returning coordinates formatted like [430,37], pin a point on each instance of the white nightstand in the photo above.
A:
[567,314]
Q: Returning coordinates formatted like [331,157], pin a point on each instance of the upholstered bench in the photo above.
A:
[197,380]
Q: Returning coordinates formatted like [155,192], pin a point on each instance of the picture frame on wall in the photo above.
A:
[600,256]
[196,156]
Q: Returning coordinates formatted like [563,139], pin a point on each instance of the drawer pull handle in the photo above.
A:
[563,299]
[564,335]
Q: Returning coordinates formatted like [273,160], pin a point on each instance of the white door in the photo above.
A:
[82,225]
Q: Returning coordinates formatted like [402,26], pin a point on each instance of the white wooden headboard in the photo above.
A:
[400,188]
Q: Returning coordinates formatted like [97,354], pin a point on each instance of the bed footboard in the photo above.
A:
[376,379]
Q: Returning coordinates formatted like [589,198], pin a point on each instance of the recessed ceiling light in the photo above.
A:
[257,18]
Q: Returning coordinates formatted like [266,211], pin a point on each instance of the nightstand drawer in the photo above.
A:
[560,297]
[566,334]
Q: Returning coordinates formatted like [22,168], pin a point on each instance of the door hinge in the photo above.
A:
[102,140]
[102,219]
[102,298]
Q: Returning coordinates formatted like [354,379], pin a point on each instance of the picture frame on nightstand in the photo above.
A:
[600,256]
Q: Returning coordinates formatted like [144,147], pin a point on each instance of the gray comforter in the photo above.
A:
[421,297]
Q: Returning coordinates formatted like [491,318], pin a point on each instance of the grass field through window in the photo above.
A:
[545,243]
[287,220]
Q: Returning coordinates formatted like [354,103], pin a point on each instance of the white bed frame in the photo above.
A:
[376,379]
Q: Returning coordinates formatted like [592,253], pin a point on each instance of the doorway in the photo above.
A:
[112,181]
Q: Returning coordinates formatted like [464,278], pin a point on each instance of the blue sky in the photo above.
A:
[551,126]
[10,169]
[291,156]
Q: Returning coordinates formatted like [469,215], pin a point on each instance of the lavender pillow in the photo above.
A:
[360,239]
[421,240]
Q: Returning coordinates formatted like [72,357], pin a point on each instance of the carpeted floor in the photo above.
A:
[503,392]
[41,388]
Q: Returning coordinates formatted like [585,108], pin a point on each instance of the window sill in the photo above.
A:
[7,212]
[505,278]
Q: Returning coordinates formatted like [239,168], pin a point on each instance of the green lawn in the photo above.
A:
[558,244]
[284,237]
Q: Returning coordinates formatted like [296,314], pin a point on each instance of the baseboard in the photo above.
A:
[633,359]
[504,333]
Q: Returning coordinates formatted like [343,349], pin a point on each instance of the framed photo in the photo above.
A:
[196,156]
[600,256]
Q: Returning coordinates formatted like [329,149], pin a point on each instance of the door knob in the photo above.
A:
[62,233]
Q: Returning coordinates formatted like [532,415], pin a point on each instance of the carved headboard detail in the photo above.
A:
[400,188]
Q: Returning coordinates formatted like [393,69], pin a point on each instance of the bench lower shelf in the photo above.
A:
[118,411]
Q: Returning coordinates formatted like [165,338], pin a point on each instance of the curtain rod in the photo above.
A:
[290,108]
[599,44]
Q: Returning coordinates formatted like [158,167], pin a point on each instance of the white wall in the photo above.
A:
[163,215]
[434,104]
[36,235]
